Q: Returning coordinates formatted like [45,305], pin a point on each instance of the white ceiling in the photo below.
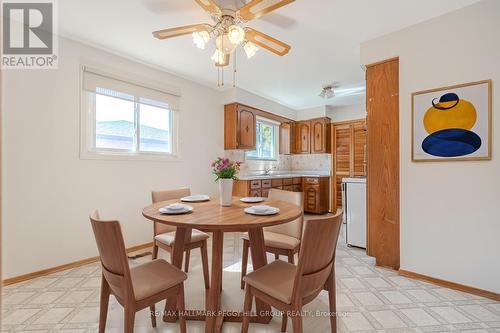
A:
[325,36]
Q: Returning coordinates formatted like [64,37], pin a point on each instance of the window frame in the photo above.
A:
[88,149]
[276,126]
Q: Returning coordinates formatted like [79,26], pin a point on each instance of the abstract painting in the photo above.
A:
[452,123]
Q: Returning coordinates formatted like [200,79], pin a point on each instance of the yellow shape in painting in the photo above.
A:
[462,115]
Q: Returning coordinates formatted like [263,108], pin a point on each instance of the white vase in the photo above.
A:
[226,192]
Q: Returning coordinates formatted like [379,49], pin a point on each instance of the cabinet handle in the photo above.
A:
[247,128]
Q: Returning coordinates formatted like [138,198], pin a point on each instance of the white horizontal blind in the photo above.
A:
[104,84]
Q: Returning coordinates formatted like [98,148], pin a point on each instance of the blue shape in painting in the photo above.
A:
[449,123]
[451,142]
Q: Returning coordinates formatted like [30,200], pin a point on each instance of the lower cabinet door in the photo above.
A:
[255,193]
[311,199]
[264,192]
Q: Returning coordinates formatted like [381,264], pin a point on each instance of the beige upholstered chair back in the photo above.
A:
[293,228]
[317,253]
[109,239]
[158,196]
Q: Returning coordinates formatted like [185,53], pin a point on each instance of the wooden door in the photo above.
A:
[318,135]
[382,94]
[359,157]
[286,139]
[341,161]
[303,137]
[247,128]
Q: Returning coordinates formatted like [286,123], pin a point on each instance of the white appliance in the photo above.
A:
[354,216]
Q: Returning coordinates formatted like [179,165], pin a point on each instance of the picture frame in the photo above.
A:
[452,123]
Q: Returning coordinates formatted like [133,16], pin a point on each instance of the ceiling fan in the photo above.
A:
[332,90]
[229,31]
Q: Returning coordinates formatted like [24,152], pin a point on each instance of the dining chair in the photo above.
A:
[288,287]
[283,239]
[134,288]
[164,235]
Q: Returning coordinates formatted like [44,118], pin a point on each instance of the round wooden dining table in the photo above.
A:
[210,216]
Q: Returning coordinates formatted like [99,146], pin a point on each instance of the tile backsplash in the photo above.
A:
[310,162]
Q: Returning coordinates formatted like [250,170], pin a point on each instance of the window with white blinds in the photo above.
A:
[125,118]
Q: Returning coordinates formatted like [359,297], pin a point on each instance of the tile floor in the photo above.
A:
[369,299]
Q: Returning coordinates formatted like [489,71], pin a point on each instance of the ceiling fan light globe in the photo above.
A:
[223,44]
[236,34]
[250,49]
[200,38]
[218,57]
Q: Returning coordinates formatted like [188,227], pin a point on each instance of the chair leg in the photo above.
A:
[186,263]
[181,308]
[155,250]
[244,261]
[297,322]
[129,319]
[204,262]
[291,257]
[247,308]
[152,309]
[332,301]
[103,305]
[284,322]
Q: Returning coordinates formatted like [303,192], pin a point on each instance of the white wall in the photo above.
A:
[450,221]
[245,97]
[343,113]
[48,191]
[317,112]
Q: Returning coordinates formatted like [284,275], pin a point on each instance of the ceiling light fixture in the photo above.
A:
[218,57]
[236,34]
[250,49]
[229,32]
[224,44]
[200,38]
[327,92]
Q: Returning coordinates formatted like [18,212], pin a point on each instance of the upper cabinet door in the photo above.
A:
[286,141]
[246,128]
[319,135]
[303,137]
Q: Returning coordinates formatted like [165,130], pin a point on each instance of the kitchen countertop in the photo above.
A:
[284,174]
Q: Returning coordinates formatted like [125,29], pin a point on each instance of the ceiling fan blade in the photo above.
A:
[210,6]
[179,31]
[257,8]
[267,42]
[226,61]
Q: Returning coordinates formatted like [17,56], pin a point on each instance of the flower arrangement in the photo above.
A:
[223,168]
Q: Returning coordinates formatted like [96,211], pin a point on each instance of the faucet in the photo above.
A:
[267,171]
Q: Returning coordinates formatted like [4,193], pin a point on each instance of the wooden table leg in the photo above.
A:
[182,236]
[259,259]
[213,303]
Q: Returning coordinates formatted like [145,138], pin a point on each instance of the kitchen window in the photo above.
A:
[266,141]
[124,119]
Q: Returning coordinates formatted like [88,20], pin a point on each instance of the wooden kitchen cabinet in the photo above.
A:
[316,192]
[303,137]
[348,155]
[287,135]
[239,127]
[320,135]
